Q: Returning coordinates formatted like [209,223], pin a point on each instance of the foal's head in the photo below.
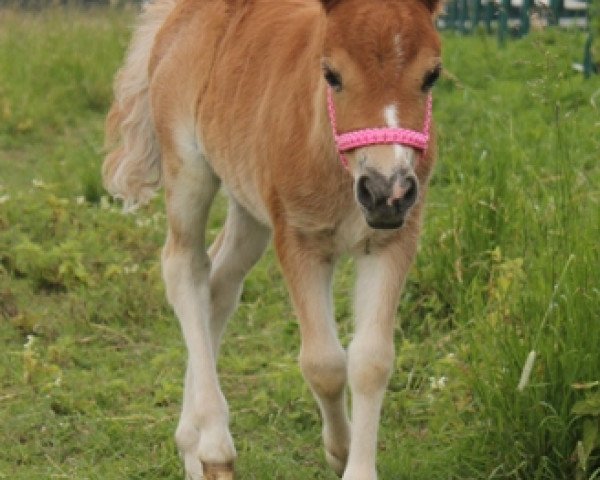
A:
[381,58]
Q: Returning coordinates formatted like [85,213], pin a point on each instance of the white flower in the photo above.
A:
[438,383]
[143,222]
[29,343]
[131,269]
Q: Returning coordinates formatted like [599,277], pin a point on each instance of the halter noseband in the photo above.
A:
[378,136]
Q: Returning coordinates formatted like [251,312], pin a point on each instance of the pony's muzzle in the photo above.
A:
[385,201]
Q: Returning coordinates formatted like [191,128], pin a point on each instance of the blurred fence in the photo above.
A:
[506,18]
[516,18]
[514,15]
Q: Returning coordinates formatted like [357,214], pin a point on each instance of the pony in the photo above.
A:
[314,117]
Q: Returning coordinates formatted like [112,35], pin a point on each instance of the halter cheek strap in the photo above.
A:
[379,136]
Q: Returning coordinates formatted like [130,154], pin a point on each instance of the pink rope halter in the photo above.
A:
[378,136]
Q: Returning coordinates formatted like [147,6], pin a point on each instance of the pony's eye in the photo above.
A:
[333,78]
[431,78]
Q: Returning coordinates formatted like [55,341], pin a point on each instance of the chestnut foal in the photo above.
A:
[315,116]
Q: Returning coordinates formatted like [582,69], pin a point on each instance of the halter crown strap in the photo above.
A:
[379,136]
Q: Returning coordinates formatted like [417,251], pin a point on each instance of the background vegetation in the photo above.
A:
[91,360]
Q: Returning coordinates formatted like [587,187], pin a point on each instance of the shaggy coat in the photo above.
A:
[233,92]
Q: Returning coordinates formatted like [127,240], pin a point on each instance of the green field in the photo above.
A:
[91,357]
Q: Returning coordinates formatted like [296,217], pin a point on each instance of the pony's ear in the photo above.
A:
[434,6]
[329,4]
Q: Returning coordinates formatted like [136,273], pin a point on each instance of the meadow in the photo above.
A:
[91,356]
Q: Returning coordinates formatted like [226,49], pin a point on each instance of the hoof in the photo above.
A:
[338,465]
[217,471]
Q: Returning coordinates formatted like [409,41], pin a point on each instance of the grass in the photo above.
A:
[92,358]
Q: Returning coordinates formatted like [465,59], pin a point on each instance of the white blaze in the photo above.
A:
[403,155]
[391,116]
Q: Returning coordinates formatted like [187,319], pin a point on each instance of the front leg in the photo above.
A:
[308,272]
[380,277]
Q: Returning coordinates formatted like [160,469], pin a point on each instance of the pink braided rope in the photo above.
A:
[379,136]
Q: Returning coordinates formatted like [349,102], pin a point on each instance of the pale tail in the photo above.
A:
[132,170]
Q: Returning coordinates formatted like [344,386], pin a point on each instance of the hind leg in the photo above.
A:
[203,431]
[237,248]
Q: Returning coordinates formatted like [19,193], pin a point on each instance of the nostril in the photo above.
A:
[411,192]
[365,193]
[405,196]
